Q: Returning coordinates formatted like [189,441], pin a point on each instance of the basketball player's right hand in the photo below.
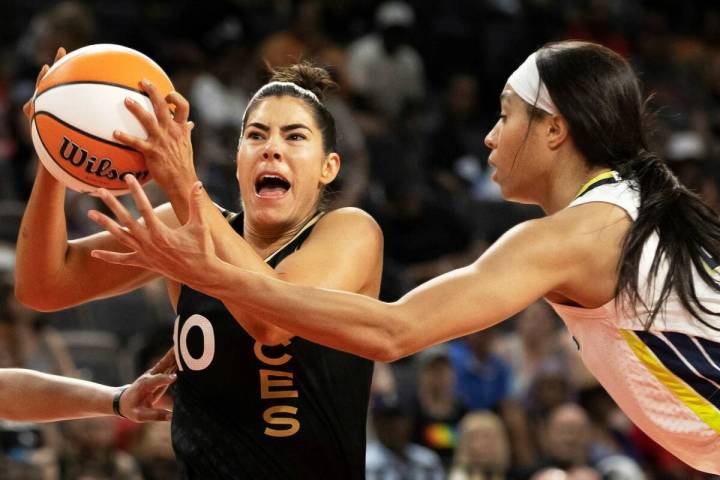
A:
[28,107]
[168,148]
[144,401]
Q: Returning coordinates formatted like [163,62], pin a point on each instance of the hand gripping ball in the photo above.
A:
[78,105]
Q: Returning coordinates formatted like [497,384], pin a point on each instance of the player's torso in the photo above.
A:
[246,410]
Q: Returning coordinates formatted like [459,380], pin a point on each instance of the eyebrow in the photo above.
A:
[505,95]
[284,128]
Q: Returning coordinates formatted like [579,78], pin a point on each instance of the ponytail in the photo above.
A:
[688,233]
[599,95]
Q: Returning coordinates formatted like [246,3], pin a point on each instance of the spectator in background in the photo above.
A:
[687,155]
[483,451]
[484,379]
[68,23]
[457,156]
[385,70]
[534,342]
[392,456]
[437,408]
[89,451]
[565,438]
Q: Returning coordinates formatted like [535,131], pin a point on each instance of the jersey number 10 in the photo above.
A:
[180,344]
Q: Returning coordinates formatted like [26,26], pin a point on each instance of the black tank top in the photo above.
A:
[247,411]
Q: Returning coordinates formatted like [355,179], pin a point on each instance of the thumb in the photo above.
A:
[154,382]
[195,204]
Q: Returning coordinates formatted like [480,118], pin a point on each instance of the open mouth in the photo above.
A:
[271,186]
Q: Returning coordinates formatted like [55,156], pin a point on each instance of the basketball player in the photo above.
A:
[251,401]
[626,256]
[29,396]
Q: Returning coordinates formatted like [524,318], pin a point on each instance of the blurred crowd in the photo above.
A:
[418,91]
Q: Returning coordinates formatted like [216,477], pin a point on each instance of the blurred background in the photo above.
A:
[419,91]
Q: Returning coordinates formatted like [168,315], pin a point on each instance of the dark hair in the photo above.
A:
[597,92]
[313,82]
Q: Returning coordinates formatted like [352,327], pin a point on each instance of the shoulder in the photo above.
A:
[350,222]
[573,233]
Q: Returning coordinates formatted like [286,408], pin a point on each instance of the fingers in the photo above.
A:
[142,203]
[59,54]
[41,75]
[146,119]
[120,212]
[160,380]
[115,230]
[182,107]
[128,259]
[144,414]
[166,364]
[131,141]
[162,112]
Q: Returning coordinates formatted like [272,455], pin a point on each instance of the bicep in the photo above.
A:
[519,269]
[87,278]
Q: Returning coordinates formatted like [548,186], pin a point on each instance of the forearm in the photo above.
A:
[232,248]
[42,242]
[346,321]
[26,395]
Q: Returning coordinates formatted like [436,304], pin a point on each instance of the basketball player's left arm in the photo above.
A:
[29,396]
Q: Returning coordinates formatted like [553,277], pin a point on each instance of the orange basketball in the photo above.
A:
[78,105]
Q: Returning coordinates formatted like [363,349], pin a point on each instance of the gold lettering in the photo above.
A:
[271,361]
[292,423]
[266,383]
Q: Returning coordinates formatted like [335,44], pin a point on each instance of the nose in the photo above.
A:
[491,138]
[271,150]
[274,153]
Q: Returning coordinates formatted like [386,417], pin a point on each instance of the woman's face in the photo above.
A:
[281,164]
[514,143]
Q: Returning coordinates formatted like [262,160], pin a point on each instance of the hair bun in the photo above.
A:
[305,75]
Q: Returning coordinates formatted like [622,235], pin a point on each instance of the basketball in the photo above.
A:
[78,105]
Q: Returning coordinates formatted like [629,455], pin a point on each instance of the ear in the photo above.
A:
[330,168]
[558,131]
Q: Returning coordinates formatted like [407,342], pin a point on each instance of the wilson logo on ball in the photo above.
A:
[79,157]
[80,103]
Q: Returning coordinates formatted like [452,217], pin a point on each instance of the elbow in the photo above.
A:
[36,297]
[393,335]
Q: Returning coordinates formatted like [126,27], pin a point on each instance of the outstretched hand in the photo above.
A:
[180,254]
[145,400]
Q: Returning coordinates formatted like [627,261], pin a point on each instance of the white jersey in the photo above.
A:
[665,378]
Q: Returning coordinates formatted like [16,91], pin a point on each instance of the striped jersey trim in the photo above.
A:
[603,178]
[686,365]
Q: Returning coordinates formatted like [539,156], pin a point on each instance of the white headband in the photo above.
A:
[294,86]
[527,84]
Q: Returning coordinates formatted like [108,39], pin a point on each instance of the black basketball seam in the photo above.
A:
[94,82]
[81,180]
[94,137]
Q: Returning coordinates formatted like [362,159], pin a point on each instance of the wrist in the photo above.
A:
[177,183]
[210,276]
[117,397]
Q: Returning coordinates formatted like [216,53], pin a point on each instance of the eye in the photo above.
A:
[253,135]
[502,116]
[296,136]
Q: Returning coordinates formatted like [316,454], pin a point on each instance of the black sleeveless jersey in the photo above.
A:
[248,411]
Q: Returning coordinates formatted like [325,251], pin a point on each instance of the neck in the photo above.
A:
[266,239]
[565,183]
